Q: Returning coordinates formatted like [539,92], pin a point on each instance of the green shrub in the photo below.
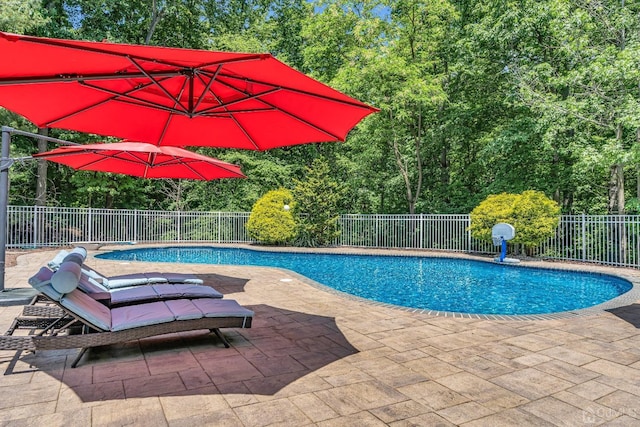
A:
[534,216]
[318,197]
[269,222]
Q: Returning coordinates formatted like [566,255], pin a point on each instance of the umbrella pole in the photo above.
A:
[5,164]
[4,197]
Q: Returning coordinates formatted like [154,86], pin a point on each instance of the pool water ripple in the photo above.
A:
[430,283]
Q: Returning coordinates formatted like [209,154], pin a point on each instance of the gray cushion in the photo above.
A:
[167,291]
[125,280]
[88,309]
[77,258]
[43,275]
[41,281]
[57,260]
[79,250]
[138,293]
[135,316]
[221,308]
[154,277]
[66,278]
[181,278]
[90,286]
[196,291]
[184,309]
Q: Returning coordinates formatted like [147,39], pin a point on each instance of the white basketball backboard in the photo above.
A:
[504,230]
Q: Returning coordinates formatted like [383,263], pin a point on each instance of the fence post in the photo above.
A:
[35,227]
[219,225]
[469,233]
[421,231]
[179,226]
[584,237]
[90,225]
[135,225]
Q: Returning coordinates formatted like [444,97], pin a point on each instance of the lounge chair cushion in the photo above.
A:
[167,291]
[138,293]
[187,291]
[221,308]
[60,256]
[123,281]
[58,259]
[87,308]
[135,316]
[80,251]
[181,278]
[90,286]
[75,257]
[66,278]
[184,309]
[41,281]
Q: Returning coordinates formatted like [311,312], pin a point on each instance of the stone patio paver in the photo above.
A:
[317,357]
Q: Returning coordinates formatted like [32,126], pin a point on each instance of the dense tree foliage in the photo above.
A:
[477,97]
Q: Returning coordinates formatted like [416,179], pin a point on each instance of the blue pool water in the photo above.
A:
[443,284]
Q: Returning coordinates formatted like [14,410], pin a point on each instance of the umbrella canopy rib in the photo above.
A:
[353,103]
[131,99]
[207,87]
[157,84]
[69,78]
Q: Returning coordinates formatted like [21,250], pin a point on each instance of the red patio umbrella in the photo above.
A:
[142,160]
[170,96]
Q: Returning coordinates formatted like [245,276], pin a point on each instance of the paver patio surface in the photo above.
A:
[314,357]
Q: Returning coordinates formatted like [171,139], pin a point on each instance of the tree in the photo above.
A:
[318,198]
[20,16]
[571,64]
[397,66]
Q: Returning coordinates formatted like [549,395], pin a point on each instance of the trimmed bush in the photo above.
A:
[269,222]
[534,216]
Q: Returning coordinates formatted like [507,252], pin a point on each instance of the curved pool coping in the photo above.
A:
[628,274]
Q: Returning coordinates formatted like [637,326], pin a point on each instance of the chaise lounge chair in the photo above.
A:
[124,280]
[70,271]
[102,325]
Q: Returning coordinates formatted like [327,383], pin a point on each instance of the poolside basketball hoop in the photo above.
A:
[500,233]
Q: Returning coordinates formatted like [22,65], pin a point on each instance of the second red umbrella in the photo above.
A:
[142,160]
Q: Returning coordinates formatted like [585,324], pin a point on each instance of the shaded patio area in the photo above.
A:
[315,357]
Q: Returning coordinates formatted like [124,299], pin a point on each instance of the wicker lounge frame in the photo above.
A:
[73,319]
[47,317]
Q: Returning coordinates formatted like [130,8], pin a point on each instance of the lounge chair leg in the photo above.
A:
[79,356]
[222,338]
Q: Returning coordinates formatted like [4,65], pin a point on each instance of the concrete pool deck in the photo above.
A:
[315,357]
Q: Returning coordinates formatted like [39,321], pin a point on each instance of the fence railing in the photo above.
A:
[52,226]
[606,239]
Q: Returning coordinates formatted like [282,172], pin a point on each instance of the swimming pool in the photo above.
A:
[439,284]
